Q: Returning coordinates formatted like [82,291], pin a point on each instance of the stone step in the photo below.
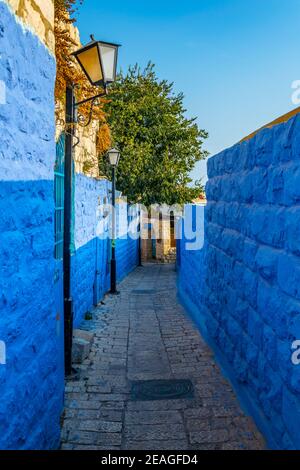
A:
[82,342]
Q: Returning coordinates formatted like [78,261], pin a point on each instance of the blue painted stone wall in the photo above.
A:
[91,258]
[190,263]
[31,381]
[89,194]
[250,296]
[127,257]
[126,247]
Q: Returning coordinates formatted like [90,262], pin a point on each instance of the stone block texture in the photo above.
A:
[38,15]
[85,153]
[91,257]
[31,381]
[244,283]
[31,293]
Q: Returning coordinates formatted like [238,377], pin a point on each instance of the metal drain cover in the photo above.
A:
[162,390]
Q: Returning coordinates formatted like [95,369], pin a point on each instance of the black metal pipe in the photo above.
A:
[113,263]
[68,302]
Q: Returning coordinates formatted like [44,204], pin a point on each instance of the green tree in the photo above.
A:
[159,145]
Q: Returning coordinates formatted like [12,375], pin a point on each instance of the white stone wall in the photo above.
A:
[39,16]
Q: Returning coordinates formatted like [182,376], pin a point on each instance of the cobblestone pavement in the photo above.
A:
[145,334]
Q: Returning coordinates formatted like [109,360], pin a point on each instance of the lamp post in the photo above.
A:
[140,237]
[113,156]
[98,60]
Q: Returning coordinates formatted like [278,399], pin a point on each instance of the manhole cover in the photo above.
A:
[162,390]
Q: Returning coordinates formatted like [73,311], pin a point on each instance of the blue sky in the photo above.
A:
[234,60]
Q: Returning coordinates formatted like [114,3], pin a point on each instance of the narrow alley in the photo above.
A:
[144,334]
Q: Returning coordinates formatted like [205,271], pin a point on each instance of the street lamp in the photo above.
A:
[113,156]
[98,60]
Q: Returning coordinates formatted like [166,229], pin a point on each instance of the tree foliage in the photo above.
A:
[159,145]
